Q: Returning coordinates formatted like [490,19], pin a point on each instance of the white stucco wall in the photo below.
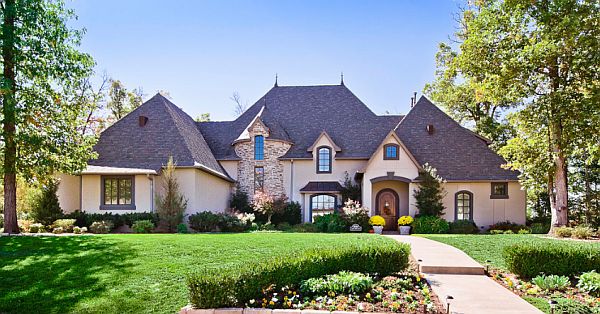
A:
[231,166]
[69,192]
[92,189]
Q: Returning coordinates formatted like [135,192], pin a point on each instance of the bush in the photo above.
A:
[66,224]
[182,228]
[230,223]
[291,214]
[25,224]
[540,228]
[104,226]
[143,226]
[572,307]
[354,213]
[240,202]
[305,227]
[583,232]
[79,230]
[552,282]
[563,232]
[86,219]
[508,232]
[58,230]
[430,224]
[170,206]
[507,225]
[590,282]
[430,193]
[204,222]
[463,227]
[46,208]
[524,231]
[496,232]
[343,282]
[528,259]
[36,228]
[331,223]
[217,289]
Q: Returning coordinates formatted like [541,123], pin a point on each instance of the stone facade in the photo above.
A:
[273,167]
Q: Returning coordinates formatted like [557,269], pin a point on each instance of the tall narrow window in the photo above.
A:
[259,179]
[322,204]
[324,160]
[259,147]
[464,205]
[390,152]
[117,193]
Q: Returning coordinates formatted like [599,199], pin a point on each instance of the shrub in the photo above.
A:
[583,232]
[172,204]
[66,224]
[552,282]
[573,307]
[231,223]
[430,224]
[217,289]
[350,189]
[507,225]
[36,228]
[104,226]
[563,232]
[377,221]
[496,232]
[268,205]
[508,232]
[343,282]
[77,230]
[58,230]
[463,227]
[306,227]
[590,283]
[524,231]
[46,208]
[86,219]
[405,221]
[528,259]
[291,214]
[182,228]
[331,223]
[204,221]
[25,224]
[540,228]
[239,201]
[430,193]
[354,213]
[143,226]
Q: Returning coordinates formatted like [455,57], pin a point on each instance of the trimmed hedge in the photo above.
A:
[218,289]
[429,225]
[529,259]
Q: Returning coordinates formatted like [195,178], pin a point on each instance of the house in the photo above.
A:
[297,141]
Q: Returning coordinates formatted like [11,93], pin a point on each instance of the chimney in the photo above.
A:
[412,102]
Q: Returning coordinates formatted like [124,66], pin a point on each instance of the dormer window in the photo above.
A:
[259,147]
[324,159]
[390,152]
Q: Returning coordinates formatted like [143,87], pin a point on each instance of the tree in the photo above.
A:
[204,117]
[350,189]
[122,101]
[240,107]
[40,68]
[268,205]
[430,193]
[172,204]
[46,208]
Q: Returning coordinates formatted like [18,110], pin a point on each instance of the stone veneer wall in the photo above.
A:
[273,149]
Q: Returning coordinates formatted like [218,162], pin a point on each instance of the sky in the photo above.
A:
[200,52]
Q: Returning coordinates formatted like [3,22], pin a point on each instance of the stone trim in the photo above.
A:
[190,310]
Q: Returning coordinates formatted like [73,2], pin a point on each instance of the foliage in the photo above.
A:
[350,189]
[540,228]
[121,101]
[331,223]
[524,231]
[182,228]
[563,232]
[46,208]
[58,230]
[463,227]
[170,206]
[104,226]
[217,290]
[291,214]
[342,282]
[528,259]
[551,282]
[405,221]
[430,193]
[239,201]
[354,213]
[79,230]
[25,224]
[83,219]
[583,232]
[507,225]
[211,222]
[268,205]
[430,224]
[66,224]
[204,221]
[36,228]
[590,283]
[377,221]
[305,227]
[143,226]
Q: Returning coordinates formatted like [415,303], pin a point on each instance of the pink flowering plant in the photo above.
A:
[354,213]
[268,205]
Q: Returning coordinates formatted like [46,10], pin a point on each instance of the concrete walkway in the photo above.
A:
[451,272]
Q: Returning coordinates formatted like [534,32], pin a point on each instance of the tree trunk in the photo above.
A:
[8,110]
[559,210]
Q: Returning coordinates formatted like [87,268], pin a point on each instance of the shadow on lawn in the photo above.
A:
[51,274]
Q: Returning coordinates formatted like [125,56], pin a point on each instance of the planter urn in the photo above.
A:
[378,229]
[404,230]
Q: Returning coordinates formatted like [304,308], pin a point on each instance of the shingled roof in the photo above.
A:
[168,132]
[456,152]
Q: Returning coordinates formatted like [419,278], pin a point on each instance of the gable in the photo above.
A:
[405,166]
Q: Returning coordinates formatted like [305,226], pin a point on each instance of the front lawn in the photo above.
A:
[132,273]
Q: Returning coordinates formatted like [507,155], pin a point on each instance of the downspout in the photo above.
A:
[81,193]
[292,180]
[151,192]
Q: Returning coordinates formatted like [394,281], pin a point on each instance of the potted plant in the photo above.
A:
[404,224]
[378,223]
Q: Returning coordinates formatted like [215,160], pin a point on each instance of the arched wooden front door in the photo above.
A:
[387,204]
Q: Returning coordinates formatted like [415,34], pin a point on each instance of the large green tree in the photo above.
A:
[41,68]
[544,56]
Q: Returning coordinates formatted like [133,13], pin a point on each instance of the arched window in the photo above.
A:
[390,152]
[259,147]
[321,204]
[463,205]
[324,159]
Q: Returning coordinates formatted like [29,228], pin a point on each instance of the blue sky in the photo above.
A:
[203,51]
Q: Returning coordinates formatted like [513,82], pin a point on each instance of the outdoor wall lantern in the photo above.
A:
[449,298]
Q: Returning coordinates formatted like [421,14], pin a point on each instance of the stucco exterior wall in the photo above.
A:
[92,189]
[486,211]
[231,166]
[401,188]
[212,193]
[69,192]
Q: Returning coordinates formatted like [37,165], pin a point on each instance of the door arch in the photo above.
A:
[387,205]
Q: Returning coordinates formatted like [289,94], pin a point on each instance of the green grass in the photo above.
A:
[132,273]
[482,247]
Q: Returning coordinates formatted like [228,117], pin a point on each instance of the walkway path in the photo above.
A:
[451,272]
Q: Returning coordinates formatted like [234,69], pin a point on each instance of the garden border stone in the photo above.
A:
[188,309]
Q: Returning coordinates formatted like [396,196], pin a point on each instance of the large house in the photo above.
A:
[297,141]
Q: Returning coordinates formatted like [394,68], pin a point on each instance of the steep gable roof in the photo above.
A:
[168,132]
[456,152]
